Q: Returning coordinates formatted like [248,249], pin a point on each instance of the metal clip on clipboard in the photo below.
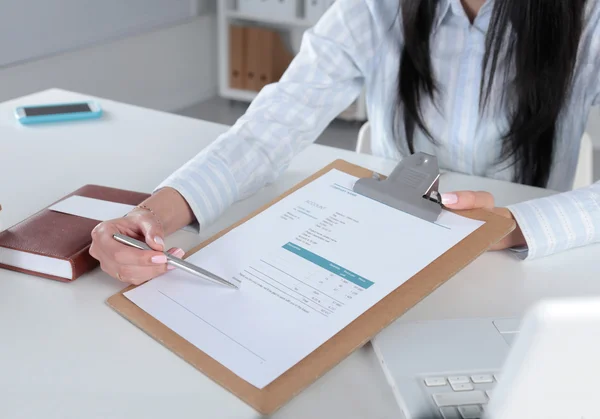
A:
[412,187]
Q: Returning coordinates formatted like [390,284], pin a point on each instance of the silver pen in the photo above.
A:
[179,263]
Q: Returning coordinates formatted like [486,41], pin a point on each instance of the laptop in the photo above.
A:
[547,367]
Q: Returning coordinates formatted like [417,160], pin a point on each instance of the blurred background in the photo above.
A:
[200,58]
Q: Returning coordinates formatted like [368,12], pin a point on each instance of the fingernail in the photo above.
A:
[170,267]
[159,240]
[158,259]
[178,253]
[449,198]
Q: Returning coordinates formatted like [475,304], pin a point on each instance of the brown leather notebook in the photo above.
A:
[237,57]
[55,245]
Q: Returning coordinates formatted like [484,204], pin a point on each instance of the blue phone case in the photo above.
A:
[61,117]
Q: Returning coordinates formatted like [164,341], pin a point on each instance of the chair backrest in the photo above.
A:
[584,176]
[363,145]
[585,164]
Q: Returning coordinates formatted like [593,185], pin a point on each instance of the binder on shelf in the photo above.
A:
[262,65]
[411,187]
[253,66]
[237,57]
[264,49]
[257,57]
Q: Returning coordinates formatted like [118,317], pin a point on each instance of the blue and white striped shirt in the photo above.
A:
[357,44]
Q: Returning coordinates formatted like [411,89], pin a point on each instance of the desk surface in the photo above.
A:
[65,354]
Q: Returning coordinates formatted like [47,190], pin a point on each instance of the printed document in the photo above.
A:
[309,265]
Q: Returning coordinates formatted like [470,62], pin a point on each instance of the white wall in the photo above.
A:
[31,29]
[167,69]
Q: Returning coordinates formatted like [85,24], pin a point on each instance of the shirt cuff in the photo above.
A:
[557,223]
[207,185]
[527,217]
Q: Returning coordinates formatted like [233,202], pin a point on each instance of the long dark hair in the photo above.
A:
[539,39]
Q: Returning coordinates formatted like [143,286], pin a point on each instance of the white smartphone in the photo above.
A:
[35,114]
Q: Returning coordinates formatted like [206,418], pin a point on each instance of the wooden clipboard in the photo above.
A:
[352,337]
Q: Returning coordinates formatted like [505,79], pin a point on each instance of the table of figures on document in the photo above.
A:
[311,282]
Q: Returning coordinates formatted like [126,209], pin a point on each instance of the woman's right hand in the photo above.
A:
[127,264]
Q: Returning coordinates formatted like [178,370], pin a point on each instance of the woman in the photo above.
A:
[496,88]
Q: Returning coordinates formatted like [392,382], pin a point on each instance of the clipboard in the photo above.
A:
[361,330]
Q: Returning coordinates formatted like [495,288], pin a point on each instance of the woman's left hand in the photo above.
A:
[472,200]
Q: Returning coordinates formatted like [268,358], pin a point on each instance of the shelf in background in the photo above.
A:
[228,12]
[238,94]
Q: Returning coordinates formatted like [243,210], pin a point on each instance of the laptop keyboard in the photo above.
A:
[460,396]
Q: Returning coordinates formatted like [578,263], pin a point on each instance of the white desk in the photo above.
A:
[65,354]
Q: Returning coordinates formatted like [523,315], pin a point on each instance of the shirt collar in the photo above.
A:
[446,7]
[442,11]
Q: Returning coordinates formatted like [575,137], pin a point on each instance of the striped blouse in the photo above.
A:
[357,45]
